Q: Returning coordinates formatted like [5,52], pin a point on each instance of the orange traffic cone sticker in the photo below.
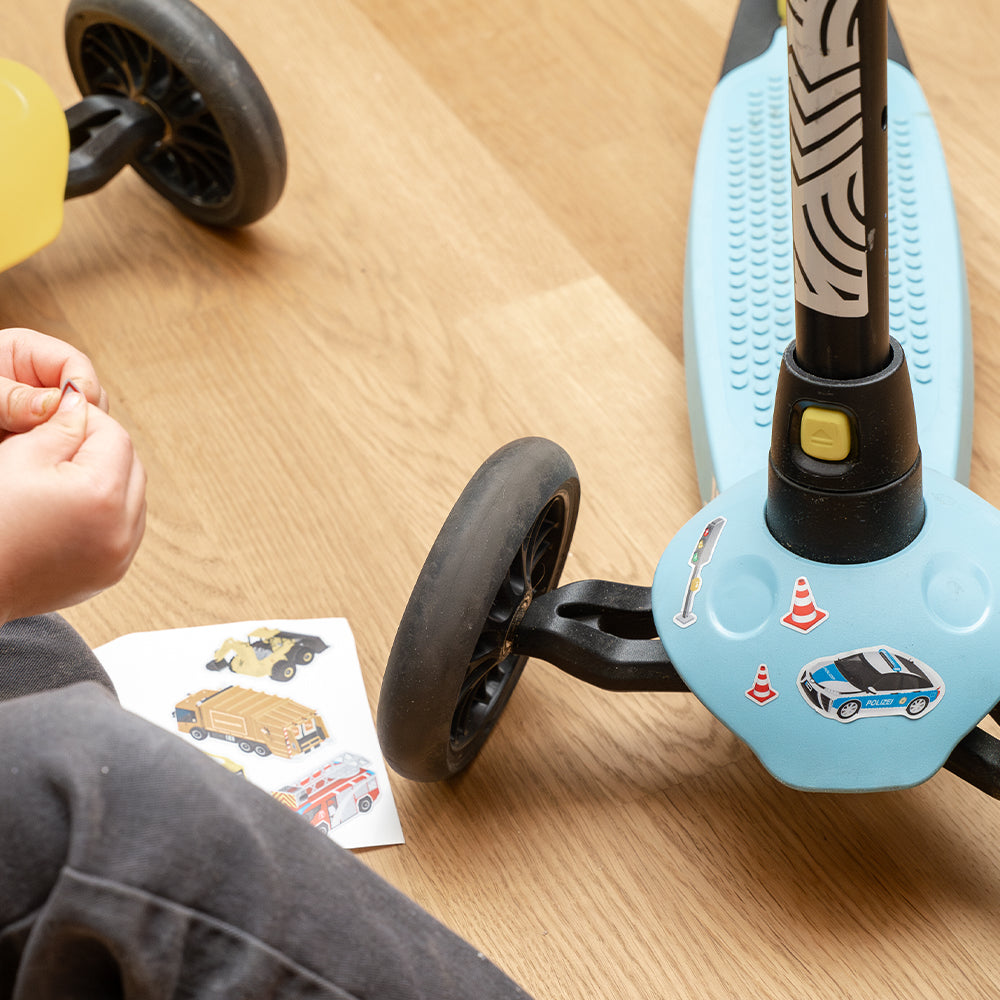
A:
[803,615]
[762,692]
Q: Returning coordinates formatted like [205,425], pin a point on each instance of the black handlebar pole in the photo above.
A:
[844,471]
[837,105]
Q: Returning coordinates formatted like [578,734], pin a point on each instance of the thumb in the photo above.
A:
[24,406]
[60,437]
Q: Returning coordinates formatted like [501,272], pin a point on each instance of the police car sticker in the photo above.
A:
[872,682]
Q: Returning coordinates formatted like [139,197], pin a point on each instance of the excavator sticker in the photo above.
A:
[267,652]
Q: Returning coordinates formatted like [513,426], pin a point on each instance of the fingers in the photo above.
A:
[56,440]
[97,446]
[24,406]
[42,361]
[61,437]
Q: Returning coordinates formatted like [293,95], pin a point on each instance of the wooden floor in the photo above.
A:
[482,238]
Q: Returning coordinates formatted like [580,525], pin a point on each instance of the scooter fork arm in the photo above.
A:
[106,133]
[976,759]
[599,632]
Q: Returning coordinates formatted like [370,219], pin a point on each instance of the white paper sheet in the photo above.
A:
[342,781]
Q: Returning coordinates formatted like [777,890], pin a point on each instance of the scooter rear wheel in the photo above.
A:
[451,671]
[222,159]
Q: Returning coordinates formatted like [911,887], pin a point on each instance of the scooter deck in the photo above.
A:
[739,303]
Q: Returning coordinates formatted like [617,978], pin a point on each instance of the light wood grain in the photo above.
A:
[482,237]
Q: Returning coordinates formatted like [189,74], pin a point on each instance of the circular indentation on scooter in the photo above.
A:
[956,591]
[741,595]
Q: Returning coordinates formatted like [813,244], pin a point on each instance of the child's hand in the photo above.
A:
[34,370]
[72,508]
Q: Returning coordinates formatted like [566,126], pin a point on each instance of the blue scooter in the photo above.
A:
[836,609]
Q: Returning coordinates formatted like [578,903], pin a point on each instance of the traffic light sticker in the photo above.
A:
[698,560]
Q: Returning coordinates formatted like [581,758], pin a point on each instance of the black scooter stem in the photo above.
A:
[839,148]
[845,481]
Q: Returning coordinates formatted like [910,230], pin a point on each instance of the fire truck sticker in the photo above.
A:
[871,682]
[333,794]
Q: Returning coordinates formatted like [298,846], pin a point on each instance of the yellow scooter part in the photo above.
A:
[34,164]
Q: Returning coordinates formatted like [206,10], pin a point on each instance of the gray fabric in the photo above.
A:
[133,866]
[45,652]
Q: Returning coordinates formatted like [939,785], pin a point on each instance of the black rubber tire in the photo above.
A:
[222,161]
[448,677]
[283,671]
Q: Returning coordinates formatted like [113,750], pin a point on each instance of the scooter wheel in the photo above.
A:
[451,671]
[222,158]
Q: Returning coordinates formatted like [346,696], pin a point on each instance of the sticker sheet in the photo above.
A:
[280,703]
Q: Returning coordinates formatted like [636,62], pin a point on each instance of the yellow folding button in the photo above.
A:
[825,434]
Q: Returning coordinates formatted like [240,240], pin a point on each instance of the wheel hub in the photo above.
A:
[519,612]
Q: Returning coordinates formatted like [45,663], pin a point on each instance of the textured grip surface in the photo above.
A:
[739,312]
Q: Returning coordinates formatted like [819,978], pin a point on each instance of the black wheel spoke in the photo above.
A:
[528,571]
[478,697]
[475,687]
[505,603]
[107,67]
[537,546]
[481,693]
[490,639]
[139,58]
